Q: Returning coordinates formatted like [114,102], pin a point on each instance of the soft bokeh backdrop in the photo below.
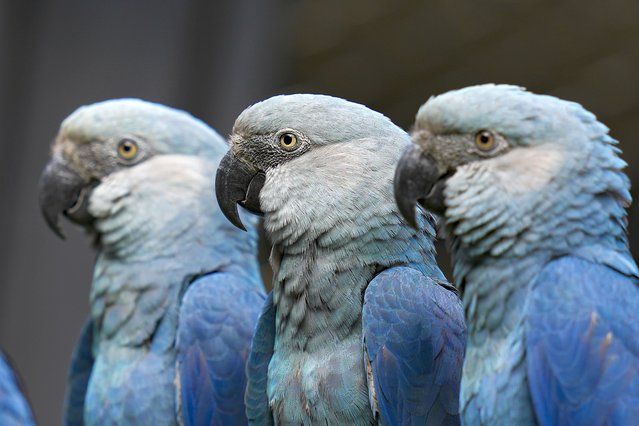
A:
[214,58]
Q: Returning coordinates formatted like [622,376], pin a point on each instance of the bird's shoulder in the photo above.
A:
[414,341]
[216,323]
[582,339]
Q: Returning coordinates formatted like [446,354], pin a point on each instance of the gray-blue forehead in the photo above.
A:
[121,115]
[171,130]
[507,109]
[321,116]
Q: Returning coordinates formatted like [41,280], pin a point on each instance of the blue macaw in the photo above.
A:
[361,326]
[533,198]
[176,290]
[14,408]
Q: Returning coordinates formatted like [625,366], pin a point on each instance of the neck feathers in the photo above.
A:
[561,201]
[503,232]
[331,216]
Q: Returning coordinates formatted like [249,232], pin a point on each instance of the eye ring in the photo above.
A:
[127,149]
[484,140]
[288,141]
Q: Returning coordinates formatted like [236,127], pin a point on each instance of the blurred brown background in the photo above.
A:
[214,58]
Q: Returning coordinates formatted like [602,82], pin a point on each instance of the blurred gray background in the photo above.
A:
[214,58]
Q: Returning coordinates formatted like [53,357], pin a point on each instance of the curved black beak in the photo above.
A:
[237,183]
[417,179]
[62,190]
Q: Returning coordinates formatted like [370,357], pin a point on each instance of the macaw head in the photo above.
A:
[309,162]
[504,166]
[110,155]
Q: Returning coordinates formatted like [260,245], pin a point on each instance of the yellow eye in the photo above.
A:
[484,140]
[127,149]
[288,141]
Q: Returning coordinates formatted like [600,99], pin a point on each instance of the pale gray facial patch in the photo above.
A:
[527,169]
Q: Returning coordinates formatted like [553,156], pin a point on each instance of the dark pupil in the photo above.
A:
[126,146]
[484,138]
[288,139]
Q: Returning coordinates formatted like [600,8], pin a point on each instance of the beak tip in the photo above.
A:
[57,189]
[238,223]
[54,225]
[230,212]
[60,234]
[52,219]
[415,177]
[233,184]
[407,209]
[412,222]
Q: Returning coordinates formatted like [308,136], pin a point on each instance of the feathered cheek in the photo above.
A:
[470,192]
[465,182]
[276,191]
[108,198]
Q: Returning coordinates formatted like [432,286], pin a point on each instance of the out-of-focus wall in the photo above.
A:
[215,58]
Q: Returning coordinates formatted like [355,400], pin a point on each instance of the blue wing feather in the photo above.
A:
[582,343]
[257,405]
[217,319]
[14,409]
[79,375]
[414,342]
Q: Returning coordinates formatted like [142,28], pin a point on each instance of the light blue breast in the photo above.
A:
[317,371]
[136,300]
